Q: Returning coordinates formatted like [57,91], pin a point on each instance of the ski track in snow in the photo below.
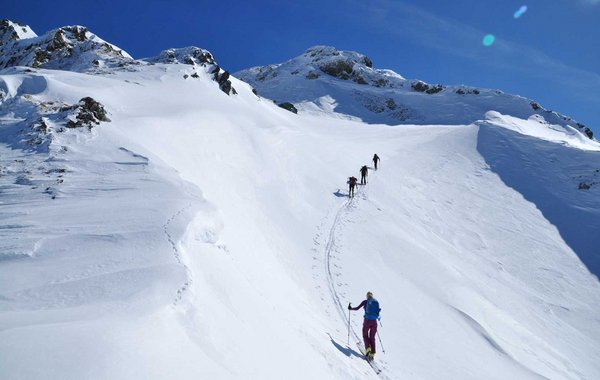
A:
[330,248]
[177,256]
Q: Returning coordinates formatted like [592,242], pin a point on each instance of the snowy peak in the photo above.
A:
[75,48]
[345,84]
[72,48]
[12,31]
[327,60]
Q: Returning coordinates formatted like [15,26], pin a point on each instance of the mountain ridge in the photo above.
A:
[383,96]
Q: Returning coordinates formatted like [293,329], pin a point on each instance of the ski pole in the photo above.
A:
[348,327]
[381,344]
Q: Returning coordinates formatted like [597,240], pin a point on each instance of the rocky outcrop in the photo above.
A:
[467,91]
[188,56]
[341,65]
[197,58]
[72,48]
[288,106]
[342,69]
[421,86]
[13,31]
[588,132]
[222,78]
[89,113]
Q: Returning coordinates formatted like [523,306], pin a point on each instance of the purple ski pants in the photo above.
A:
[369,332]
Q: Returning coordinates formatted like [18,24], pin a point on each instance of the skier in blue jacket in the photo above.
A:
[369,330]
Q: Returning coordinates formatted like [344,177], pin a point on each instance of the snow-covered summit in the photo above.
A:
[12,31]
[326,60]
[72,48]
[75,48]
[345,83]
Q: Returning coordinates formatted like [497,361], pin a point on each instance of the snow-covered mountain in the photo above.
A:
[344,82]
[154,225]
[72,48]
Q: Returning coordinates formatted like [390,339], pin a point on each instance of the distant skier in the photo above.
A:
[364,171]
[376,160]
[369,330]
[351,184]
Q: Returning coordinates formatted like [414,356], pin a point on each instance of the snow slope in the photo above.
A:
[198,234]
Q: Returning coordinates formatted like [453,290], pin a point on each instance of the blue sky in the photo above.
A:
[550,54]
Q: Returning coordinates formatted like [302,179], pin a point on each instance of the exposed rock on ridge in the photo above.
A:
[195,56]
[72,48]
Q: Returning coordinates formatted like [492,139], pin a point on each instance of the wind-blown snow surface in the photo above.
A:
[200,235]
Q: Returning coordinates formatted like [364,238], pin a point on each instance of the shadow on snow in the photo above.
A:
[548,175]
[344,349]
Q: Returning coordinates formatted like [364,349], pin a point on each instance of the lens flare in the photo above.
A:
[520,11]
[488,40]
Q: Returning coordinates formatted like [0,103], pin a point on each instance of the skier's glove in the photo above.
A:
[349,307]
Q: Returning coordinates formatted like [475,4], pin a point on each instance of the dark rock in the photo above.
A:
[223,80]
[227,87]
[588,132]
[435,89]
[360,80]
[420,86]
[40,125]
[224,77]
[254,92]
[41,57]
[288,106]
[535,106]
[58,41]
[341,69]
[584,186]
[79,32]
[476,91]
[189,56]
[460,91]
[90,113]
[367,62]
[312,75]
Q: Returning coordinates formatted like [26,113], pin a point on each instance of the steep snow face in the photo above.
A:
[71,48]
[325,79]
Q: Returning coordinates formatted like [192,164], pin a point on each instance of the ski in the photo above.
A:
[371,362]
